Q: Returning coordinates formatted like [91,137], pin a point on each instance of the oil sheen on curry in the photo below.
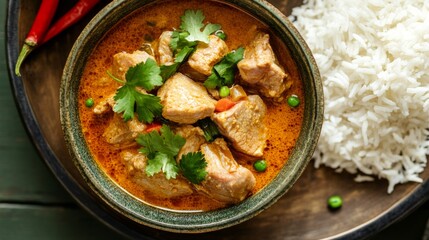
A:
[188,98]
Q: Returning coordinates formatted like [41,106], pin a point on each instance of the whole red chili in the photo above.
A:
[79,10]
[38,30]
[39,34]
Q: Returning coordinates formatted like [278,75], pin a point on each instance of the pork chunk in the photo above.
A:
[259,68]
[207,55]
[184,100]
[157,184]
[105,105]
[194,139]
[165,53]
[123,61]
[123,134]
[244,125]
[226,180]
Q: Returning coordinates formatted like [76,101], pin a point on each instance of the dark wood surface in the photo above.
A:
[28,191]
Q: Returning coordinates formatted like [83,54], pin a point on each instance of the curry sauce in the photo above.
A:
[146,25]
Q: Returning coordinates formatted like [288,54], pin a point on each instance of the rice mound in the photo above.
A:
[373,57]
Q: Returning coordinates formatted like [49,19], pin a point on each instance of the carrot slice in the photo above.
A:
[224,104]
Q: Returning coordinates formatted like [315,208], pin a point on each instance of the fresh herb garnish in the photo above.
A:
[193,166]
[185,39]
[223,73]
[192,22]
[145,75]
[209,128]
[168,70]
[128,99]
[161,150]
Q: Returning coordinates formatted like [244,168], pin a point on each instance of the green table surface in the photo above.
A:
[33,205]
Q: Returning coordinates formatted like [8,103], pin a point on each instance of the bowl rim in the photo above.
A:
[124,203]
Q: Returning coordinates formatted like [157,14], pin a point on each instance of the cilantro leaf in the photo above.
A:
[125,99]
[168,70]
[162,162]
[213,81]
[193,166]
[192,22]
[161,148]
[148,107]
[183,54]
[184,40]
[145,74]
[223,72]
[179,41]
[211,132]
[128,99]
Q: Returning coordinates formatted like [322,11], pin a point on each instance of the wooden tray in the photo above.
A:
[300,214]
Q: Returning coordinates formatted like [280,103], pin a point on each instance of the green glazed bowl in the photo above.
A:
[123,203]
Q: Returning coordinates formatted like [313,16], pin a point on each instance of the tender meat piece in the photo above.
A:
[121,133]
[194,139]
[165,53]
[226,180]
[192,73]
[157,184]
[259,68]
[244,125]
[184,100]
[123,61]
[207,55]
[105,105]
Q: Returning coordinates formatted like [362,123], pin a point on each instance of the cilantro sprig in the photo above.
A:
[223,73]
[192,22]
[146,75]
[185,39]
[193,166]
[211,132]
[161,149]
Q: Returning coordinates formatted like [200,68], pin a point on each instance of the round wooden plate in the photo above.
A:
[300,214]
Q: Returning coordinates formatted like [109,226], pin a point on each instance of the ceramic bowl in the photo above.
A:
[191,222]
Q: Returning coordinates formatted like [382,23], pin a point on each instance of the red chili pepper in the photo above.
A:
[153,126]
[79,10]
[39,34]
[38,30]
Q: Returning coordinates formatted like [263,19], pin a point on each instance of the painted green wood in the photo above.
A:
[23,176]
[35,222]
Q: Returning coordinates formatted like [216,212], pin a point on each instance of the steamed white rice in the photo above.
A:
[373,57]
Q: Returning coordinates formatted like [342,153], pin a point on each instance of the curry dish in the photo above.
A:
[189,97]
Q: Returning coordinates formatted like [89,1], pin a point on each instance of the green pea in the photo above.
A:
[220,34]
[293,101]
[335,202]
[260,165]
[89,102]
[224,91]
